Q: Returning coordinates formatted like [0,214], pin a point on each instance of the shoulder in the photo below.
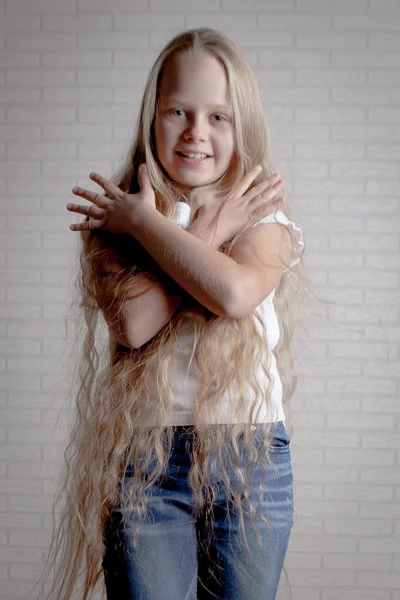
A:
[263,254]
[292,231]
[269,237]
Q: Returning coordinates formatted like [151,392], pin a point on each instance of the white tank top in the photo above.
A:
[184,372]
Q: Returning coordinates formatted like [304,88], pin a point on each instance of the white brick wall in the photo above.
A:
[71,74]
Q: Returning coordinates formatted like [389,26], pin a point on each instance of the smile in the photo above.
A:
[193,159]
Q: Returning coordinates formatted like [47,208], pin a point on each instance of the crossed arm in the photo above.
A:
[229,286]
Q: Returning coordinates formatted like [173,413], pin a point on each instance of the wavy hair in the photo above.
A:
[123,396]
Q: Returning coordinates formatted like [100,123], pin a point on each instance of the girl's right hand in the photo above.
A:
[241,207]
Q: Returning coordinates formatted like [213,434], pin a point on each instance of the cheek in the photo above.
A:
[162,135]
[228,145]
[168,136]
[157,136]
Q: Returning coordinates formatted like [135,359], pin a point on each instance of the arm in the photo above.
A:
[142,317]
[206,274]
[146,315]
[261,257]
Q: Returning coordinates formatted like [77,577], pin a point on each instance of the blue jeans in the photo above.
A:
[170,562]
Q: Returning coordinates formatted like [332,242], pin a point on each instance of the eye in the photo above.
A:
[221,118]
[174,110]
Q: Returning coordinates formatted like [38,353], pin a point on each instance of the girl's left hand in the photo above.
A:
[113,211]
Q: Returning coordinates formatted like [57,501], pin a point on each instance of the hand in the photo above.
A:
[114,210]
[240,207]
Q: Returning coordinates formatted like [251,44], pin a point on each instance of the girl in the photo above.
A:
[179,480]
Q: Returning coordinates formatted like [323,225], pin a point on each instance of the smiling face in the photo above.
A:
[194,116]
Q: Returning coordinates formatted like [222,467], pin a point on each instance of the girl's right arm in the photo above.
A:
[141,318]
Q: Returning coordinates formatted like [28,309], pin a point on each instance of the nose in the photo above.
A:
[196,130]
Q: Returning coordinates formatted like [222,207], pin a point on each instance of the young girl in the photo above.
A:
[179,480]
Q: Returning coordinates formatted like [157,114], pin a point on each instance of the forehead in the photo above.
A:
[199,81]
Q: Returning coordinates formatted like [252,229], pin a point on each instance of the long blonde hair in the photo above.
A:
[122,400]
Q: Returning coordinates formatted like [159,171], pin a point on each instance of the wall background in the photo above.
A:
[72,74]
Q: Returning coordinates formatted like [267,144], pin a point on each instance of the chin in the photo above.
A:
[196,179]
[193,181]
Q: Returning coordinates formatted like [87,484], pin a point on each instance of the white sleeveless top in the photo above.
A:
[184,371]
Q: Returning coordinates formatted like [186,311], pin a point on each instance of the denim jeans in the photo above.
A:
[170,563]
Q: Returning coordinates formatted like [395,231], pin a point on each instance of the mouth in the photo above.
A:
[192,158]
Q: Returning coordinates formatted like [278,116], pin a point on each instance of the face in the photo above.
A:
[194,116]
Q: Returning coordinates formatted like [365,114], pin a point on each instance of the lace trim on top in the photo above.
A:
[296,234]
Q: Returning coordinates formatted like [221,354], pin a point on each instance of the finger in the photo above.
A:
[268,196]
[111,188]
[94,197]
[144,179]
[272,182]
[247,179]
[86,225]
[90,210]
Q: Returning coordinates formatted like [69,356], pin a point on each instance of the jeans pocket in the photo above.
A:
[280,443]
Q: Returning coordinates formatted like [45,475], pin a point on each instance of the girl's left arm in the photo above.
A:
[205,273]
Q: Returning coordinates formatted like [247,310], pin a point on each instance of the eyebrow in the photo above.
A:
[225,107]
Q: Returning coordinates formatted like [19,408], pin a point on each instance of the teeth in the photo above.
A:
[192,155]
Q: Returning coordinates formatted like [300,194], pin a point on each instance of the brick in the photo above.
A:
[19,382]
[293,58]
[112,40]
[19,22]
[76,22]
[269,5]
[178,4]
[18,132]
[223,20]
[15,347]
[77,131]
[330,76]
[78,95]
[327,114]
[153,21]
[26,6]
[33,364]
[19,60]
[19,311]
[40,77]
[384,40]
[118,5]
[367,59]
[379,22]
[40,41]
[330,41]
[41,150]
[366,95]
[41,114]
